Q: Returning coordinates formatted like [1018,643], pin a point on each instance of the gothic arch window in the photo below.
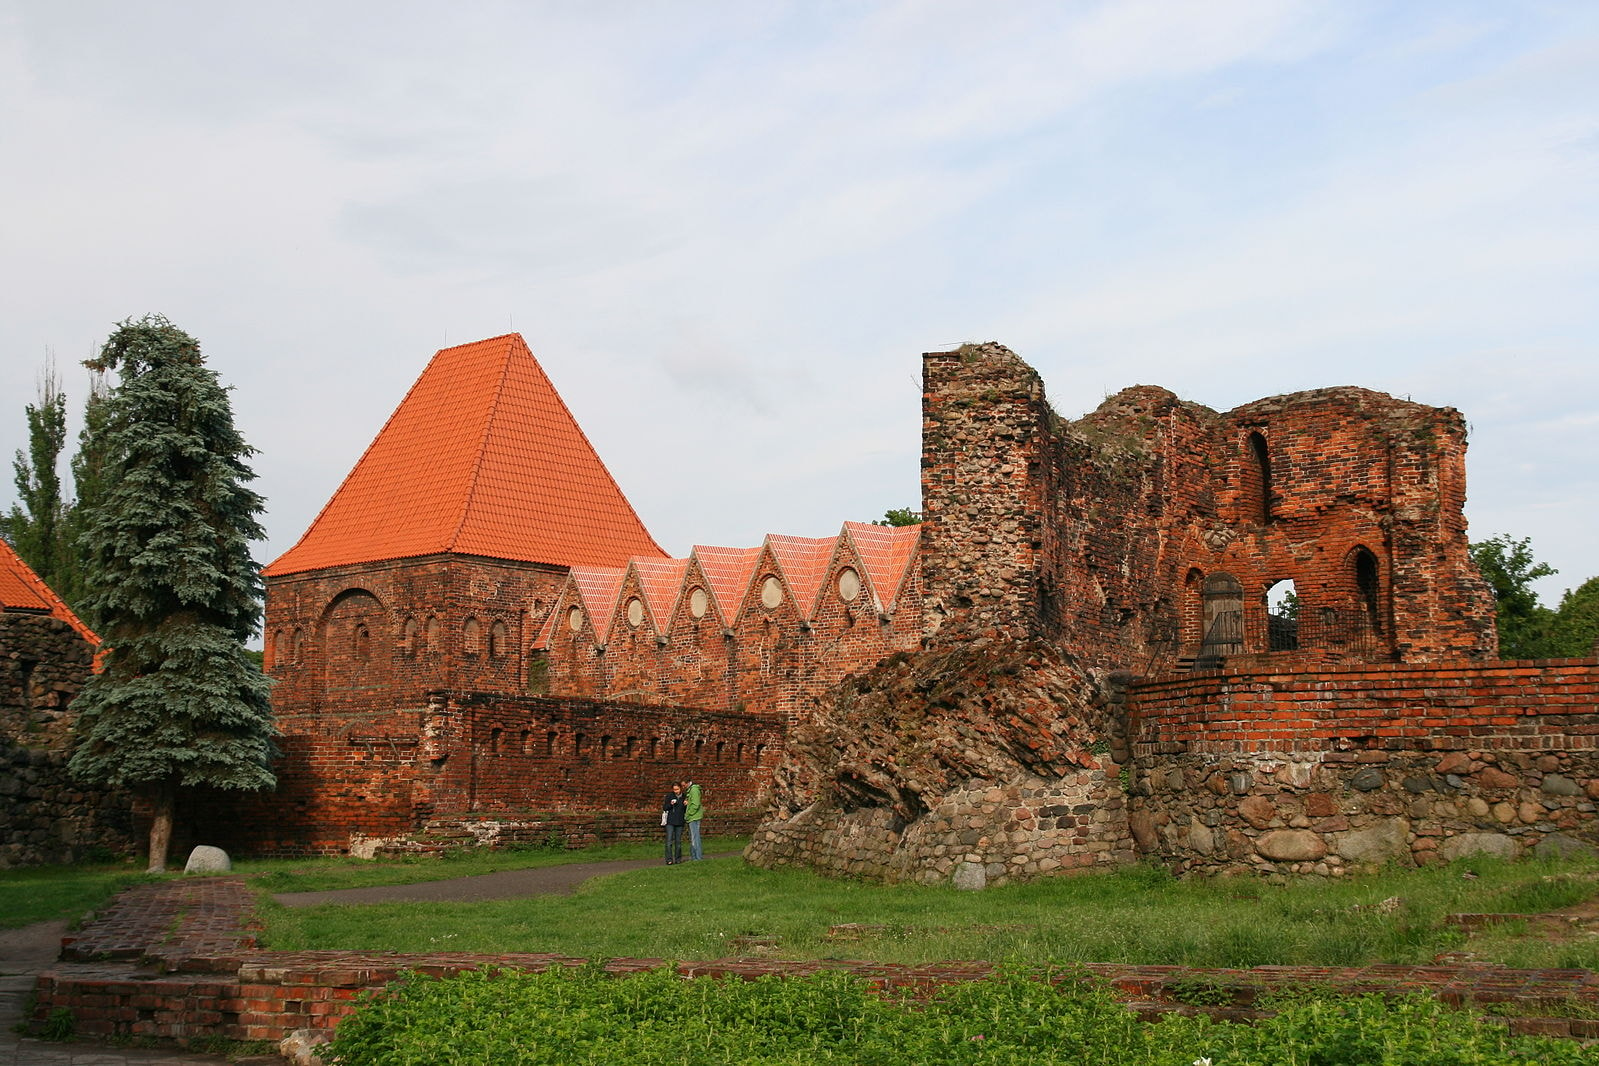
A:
[1368,585]
[410,636]
[1282,616]
[471,636]
[297,647]
[430,633]
[497,638]
[361,643]
[1260,457]
[280,648]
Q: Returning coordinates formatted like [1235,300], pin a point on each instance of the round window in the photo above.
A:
[849,585]
[635,612]
[771,592]
[574,619]
[698,603]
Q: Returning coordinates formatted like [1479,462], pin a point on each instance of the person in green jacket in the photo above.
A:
[693,811]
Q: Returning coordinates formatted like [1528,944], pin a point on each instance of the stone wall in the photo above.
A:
[1315,772]
[45,815]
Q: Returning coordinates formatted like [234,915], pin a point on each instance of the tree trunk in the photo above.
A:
[160,827]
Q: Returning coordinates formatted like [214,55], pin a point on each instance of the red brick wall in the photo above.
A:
[382,775]
[1099,533]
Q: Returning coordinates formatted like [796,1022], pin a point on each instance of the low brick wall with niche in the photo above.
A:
[1315,772]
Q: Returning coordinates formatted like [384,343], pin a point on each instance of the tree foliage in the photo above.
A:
[177,702]
[36,523]
[1576,622]
[899,516]
[1509,566]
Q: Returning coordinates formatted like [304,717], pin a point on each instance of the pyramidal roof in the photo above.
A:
[482,457]
[24,591]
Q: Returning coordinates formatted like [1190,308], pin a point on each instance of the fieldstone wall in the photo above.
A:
[1317,772]
[45,815]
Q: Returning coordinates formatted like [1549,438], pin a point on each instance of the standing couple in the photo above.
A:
[682,807]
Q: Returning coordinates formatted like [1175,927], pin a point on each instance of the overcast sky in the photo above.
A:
[728,230]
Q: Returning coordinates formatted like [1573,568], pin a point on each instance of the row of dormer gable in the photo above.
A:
[864,568]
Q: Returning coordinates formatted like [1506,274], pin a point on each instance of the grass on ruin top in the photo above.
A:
[1138,915]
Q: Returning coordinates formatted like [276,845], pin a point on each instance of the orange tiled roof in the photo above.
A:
[660,580]
[727,571]
[482,457]
[598,586]
[886,552]
[804,563]
[23,590]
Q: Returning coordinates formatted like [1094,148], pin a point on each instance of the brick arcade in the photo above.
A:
[478,631]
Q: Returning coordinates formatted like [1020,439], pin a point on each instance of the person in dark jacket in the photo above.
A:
[672,816]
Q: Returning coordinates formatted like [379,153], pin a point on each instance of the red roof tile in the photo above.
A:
[804,562]
[661,581]
[727,571]
[598,587]
[886,552]
[482,457]
[23,590]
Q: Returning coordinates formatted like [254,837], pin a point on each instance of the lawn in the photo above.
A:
[1136,915]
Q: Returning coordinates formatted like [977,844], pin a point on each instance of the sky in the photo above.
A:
[729,230]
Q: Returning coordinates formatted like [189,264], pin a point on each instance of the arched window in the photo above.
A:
[362,643]
[471,636]
[1282,616]
[497,639]
[430,633]
[1261,477]
[410,636]
[1368,585]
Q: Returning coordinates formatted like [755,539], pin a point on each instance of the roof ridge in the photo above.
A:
[18,567]
[483,445]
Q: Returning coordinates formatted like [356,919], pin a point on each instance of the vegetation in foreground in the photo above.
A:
[585,1016]
[1139,915]
[57,893]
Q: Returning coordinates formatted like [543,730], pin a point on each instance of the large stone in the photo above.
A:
[1496,844]
[205,859]
[1258,811]
[1292,845]
[1493,777]
[1366,779]
[1378,842]
[1562,846]
[970,877]
[1142,824]
[1558,785]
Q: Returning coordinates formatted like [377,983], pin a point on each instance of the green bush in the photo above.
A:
[586,1016]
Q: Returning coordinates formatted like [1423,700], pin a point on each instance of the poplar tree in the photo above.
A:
[35,526]
[177,703]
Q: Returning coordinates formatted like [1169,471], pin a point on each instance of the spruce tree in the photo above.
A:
[35,527]
[177,703]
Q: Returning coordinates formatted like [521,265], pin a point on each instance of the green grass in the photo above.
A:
[655,1019]
[1137,915]
[52,893]
[317,875]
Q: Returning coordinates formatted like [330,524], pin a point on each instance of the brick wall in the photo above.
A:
[45,815]
[368,777]
[1316,771]
[1103,533]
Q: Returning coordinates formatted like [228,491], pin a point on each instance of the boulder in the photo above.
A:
[1563,846]
[205,859]
[1380,841]
[1558,785]
[1292,845]
[970,877]
[1496,844]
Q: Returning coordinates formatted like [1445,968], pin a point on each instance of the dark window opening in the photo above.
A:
[1368,585]
[1282,616]
[1257,448]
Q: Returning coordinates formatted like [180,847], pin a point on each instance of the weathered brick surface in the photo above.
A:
[1101,533]
[45,815]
